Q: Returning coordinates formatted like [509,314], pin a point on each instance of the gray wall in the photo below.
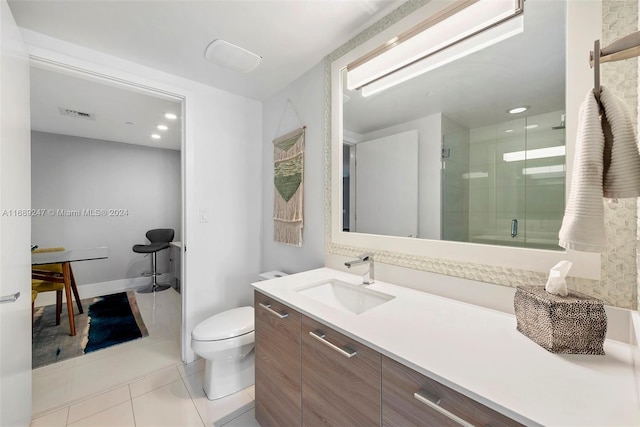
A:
[73,173]
[300,103]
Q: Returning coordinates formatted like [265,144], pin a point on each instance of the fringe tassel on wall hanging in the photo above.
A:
[288,161]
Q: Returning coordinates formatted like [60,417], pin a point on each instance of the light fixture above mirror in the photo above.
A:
[457,29]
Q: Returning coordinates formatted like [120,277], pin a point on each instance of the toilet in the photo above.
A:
[226,342]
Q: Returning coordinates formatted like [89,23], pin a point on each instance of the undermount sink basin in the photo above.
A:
[345,296]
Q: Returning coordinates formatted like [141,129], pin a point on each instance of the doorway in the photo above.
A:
[92,153]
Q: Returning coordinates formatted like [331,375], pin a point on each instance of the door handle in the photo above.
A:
[9,298]
[514,228]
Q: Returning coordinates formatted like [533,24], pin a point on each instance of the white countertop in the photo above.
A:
[478,352]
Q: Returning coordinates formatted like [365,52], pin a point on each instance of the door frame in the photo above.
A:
[152,90]
[15,225]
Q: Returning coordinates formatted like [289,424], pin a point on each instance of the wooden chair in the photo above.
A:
[34,294]
[48,278]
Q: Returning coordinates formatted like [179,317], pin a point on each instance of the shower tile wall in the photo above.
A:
[545,186]
[530,191]
[455,188]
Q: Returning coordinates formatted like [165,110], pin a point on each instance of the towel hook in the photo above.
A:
[595,59]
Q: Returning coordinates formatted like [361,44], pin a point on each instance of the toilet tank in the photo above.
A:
[274,274]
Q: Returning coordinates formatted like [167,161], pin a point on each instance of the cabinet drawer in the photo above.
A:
[409,399]
[340,379]
[278,386]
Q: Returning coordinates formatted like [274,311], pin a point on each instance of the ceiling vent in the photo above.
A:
[77,114]
[231,56]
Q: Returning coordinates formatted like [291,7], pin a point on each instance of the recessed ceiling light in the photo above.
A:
[231,56]
[162,127]
[518,110]
[170,116]
[508,131]
[531,126]
[155,136]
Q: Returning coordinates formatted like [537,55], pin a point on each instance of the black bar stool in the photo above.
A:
[160,239]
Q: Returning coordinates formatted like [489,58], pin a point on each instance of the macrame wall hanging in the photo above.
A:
[288,178]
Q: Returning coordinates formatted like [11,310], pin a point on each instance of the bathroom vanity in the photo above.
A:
[330,352]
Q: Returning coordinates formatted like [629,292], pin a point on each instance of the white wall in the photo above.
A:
[222,168]
[74,173]
[429,155]
[300,103]
[387,169]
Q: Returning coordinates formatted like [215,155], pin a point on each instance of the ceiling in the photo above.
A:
[118,114]
[292,36]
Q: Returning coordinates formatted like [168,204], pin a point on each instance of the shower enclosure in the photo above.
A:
[504,184]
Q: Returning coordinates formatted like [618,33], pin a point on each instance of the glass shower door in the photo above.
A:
[513,184]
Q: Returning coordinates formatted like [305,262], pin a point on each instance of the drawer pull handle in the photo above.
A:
[433,401]
[272,311]
[320,336]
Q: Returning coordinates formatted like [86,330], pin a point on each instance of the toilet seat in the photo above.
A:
[225,325]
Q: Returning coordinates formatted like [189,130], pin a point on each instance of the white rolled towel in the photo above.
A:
[606,164]
[583,223]
[622,177]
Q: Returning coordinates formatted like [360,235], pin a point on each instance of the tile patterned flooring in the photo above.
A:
[139,383]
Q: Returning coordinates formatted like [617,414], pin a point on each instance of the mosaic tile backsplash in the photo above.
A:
[619,279]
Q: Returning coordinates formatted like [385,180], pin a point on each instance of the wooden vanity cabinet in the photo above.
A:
[308,374]
[412,399]
[340,379]
[277,365]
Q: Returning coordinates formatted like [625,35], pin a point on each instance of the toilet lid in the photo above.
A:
[228,324]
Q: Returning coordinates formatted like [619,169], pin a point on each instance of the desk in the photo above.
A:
[66,258]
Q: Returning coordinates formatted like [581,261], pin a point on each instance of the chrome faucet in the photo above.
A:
[367,277]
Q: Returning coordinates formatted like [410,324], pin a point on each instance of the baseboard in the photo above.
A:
[91,290]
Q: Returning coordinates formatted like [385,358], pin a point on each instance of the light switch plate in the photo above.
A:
[204,215]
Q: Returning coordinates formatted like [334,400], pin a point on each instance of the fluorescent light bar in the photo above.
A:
[539,153]
[470,21]
[543,169]
[467,47]
[475,175]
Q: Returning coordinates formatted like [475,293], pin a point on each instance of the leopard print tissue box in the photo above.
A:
[575,324]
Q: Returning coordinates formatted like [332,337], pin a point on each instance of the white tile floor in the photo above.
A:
[140,383]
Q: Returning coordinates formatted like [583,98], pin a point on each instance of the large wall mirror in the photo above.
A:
[469,160]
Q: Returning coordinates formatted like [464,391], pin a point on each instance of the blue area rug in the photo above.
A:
[107,321]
